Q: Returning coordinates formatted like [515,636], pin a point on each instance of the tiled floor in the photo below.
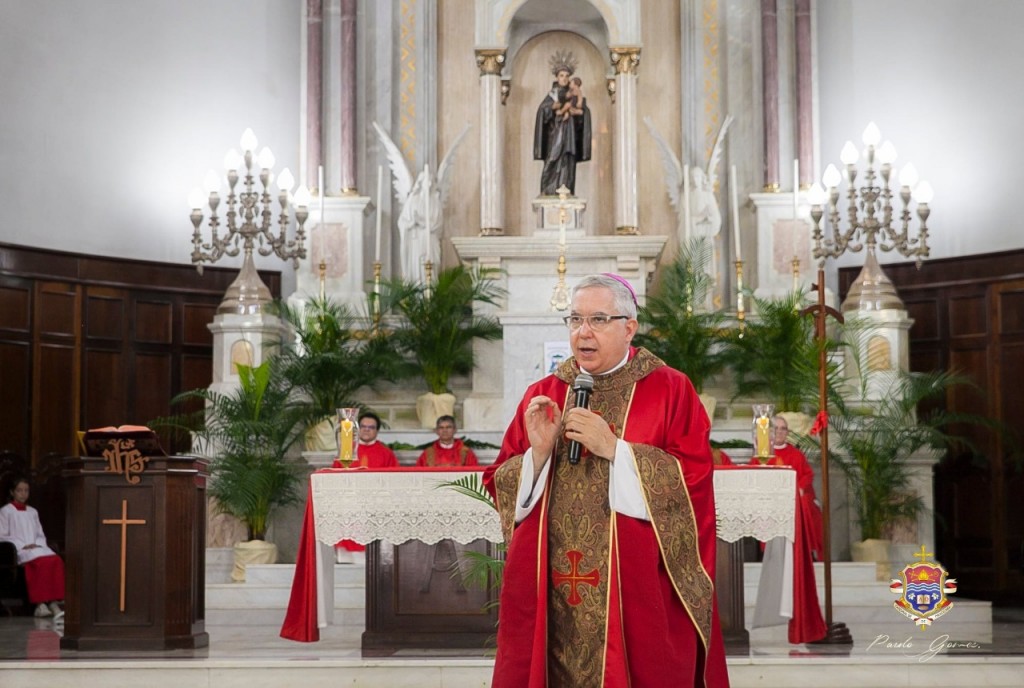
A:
[893,656]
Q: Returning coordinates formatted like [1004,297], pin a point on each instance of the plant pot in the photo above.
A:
[710,401]
[430,407]
[799,423]
[322,437]
[876,551]
[252,552]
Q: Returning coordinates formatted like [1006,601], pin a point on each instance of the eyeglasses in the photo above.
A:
[596,322]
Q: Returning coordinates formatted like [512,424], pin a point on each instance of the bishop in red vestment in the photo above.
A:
[447,451]
[609,579]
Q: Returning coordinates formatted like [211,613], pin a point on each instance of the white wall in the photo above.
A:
[941,78]
[112,110]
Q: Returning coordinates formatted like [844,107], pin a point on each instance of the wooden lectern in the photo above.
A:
[136,547]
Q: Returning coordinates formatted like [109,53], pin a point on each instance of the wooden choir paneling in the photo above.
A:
[89,341]
[969,317]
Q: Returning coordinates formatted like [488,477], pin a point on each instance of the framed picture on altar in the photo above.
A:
[554,354]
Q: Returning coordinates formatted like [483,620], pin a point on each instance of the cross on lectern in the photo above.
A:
[124,522]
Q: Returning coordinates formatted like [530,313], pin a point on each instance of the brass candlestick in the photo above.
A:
[375,298]
[560,297]
[428,276]
[323,279]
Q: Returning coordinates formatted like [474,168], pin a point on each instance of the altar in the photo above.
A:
[386,508]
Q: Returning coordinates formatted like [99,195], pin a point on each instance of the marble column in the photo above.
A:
[625,61]
[314,88]
[492,141]
[347,87]
[804,94]
[770,90]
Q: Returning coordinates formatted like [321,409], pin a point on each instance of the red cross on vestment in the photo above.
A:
[574,578]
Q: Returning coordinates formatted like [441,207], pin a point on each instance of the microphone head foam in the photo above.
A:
[584,381]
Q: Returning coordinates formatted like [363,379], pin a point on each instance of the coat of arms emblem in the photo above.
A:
[923,588]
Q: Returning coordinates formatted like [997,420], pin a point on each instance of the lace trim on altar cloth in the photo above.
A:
[397,507]
[756,502]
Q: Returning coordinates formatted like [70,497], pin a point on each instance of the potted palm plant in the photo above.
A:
[437,325]
[333,357]
[676,326]
[775,358]
[248,434]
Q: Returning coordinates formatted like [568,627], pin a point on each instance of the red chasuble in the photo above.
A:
[788,455]
[456,455]
[376,455]
[592,597]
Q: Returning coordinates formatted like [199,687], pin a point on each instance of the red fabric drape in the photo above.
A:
[300,621]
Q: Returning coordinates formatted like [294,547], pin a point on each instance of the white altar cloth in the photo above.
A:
[398,506]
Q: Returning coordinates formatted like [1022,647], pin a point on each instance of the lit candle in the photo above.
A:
[380,211]
[561,227]
[323,224]
[686,202]
[734,192]
[796,186]
[426,213]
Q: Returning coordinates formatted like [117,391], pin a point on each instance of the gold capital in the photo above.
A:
[625,60]
[490,62]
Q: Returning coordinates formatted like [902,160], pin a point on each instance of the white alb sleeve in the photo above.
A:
[529,491]
[624,491]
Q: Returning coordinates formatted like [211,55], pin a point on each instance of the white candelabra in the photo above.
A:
[249,222]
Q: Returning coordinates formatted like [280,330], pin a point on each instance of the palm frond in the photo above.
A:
[675,325]
[472,486]
[777,356]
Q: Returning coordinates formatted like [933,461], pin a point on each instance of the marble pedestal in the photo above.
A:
[337,238]
[245,339]
[527,268]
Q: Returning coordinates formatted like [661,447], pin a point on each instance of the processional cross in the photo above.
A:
[837,632]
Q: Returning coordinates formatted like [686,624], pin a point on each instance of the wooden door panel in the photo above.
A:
[104,389]
[56,400]
[16,383]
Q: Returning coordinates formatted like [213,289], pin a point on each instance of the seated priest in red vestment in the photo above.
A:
[788,455]
[610,570]
[447,451]
[44,570]
[371,453]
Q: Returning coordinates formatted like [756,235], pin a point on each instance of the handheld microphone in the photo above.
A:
[581,391]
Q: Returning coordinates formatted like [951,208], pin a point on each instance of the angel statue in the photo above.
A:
[412,195]
[705,216]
